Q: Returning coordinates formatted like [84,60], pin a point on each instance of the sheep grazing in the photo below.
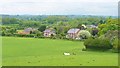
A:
[66,53]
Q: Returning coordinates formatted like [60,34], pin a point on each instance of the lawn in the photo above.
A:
[48,52]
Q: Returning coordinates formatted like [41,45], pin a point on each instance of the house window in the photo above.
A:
[45,34]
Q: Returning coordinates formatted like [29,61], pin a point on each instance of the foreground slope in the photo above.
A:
[47,52]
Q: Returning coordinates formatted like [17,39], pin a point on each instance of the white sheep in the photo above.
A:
[66,53]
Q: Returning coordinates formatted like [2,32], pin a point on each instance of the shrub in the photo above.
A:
[116,45]
[84,34]
[103,44]
[53,36]
[101,37]
[110,35]
[8,34]
[41,37]
[84,49]
[3,33]
[24,35]
[29,35]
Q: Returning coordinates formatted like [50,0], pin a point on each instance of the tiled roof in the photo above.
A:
[28,29]
[47,30]
[74,30]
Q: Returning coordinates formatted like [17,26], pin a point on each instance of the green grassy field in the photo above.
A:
[47,52]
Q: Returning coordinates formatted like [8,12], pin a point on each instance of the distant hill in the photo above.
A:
[40,17]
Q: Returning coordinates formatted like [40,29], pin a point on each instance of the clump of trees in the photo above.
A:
[97,43]
[42,28]
[107,36]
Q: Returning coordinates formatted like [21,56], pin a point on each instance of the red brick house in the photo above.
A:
[48,33]
[73,33]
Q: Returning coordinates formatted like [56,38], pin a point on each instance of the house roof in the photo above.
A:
[47,30]
[28,29]
[93,26]
[74,30]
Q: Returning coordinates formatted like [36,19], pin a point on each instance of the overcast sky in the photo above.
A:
[60,7]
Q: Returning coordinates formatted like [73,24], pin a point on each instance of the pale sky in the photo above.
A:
[60,7]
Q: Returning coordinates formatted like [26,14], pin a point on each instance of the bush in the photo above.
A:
[110,35]
[24,35]
[53,36]
[30,35]
[84,49]
[84,34]
[116,45]
[103,44]
[3,33]
[101,37]
[8,34]
[41,37]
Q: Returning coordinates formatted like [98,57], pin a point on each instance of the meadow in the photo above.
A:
[18,51]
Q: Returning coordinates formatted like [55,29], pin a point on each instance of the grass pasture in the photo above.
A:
[47,52]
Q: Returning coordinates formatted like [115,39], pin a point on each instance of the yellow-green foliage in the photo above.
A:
[19,30]
[97,44]
[111,24]
[116,45]
[84,33]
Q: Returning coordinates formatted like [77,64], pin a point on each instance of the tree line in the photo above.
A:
[108,28]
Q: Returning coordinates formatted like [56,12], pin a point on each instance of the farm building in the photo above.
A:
[27,31]
[73,33]
[49,33]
